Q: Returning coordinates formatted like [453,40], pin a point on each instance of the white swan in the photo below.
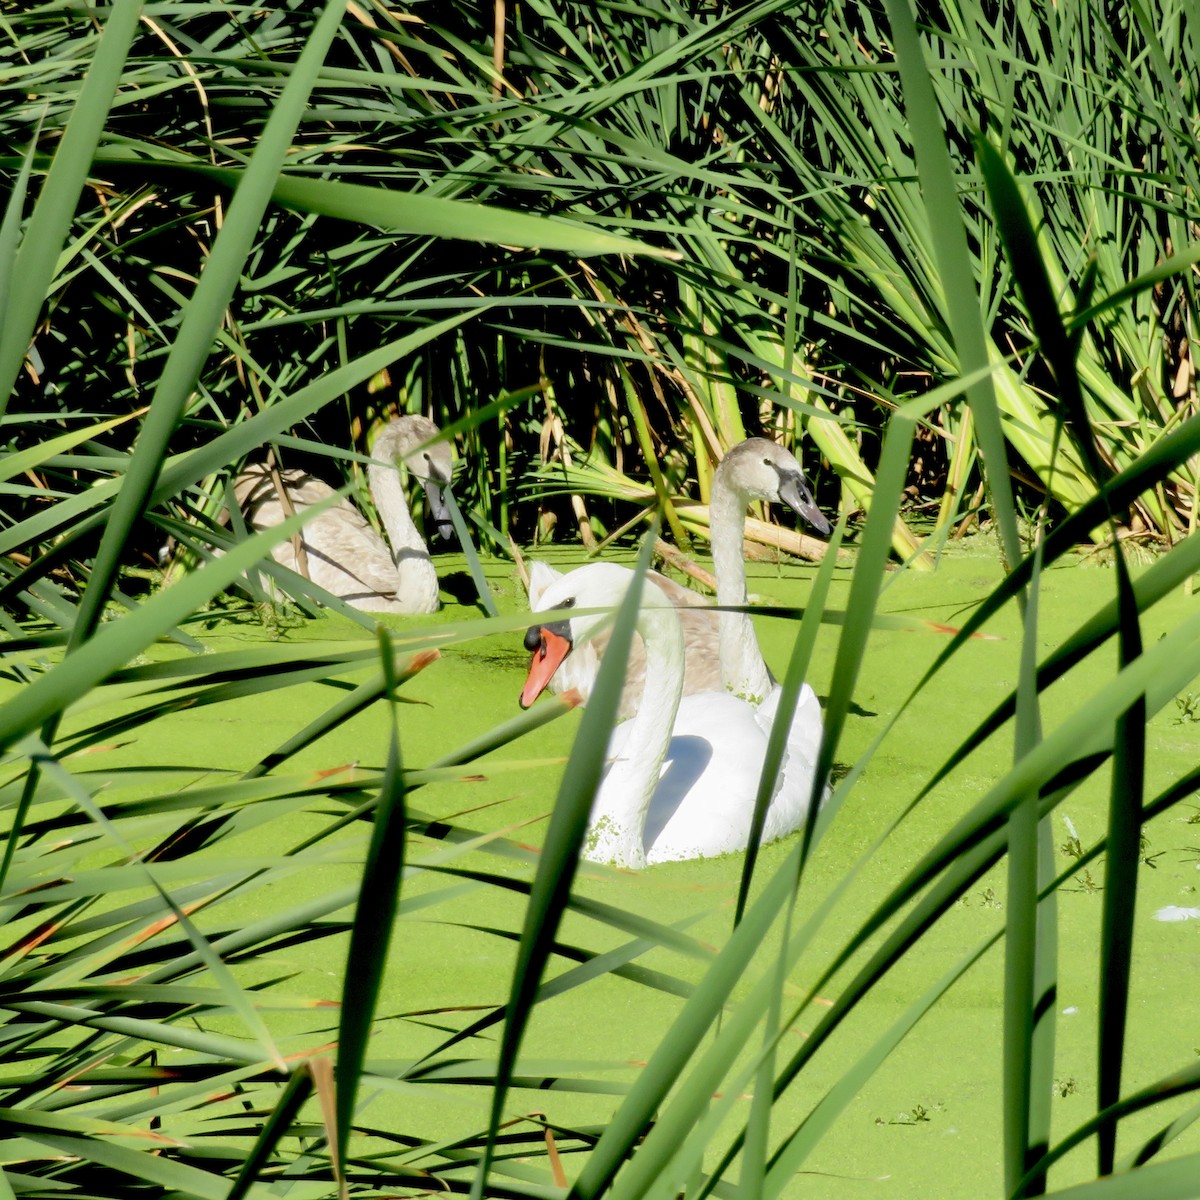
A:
[343,554]
[717,653]
[683,772]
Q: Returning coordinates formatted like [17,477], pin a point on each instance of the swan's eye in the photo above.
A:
[767,462]
[569,602]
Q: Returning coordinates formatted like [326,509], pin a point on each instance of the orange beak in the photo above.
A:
[548,653]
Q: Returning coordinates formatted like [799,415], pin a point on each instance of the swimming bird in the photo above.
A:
[716,653]
[683,772]
[343,554]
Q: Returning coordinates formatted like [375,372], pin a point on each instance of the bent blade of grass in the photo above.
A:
[618,962]
[371,932]
[1175,1180]
[1168,267]
[1164,1137]
[533,718]
[1179,1083]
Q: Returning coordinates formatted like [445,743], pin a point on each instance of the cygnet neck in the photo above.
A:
[743,669]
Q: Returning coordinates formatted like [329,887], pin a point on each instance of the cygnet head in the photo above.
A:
[595,586]
[403,441]
[758,469]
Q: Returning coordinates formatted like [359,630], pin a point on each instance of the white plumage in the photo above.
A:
[684,770]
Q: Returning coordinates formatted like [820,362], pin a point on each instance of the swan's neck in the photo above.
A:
[618,820]
[743,670]
[418,578]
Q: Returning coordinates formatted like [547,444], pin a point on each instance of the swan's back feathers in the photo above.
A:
[259,501]
[701,662]
[705,795]
[344,554]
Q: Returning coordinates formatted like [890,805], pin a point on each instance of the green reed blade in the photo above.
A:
[954,268]
[374,917]
[54,210]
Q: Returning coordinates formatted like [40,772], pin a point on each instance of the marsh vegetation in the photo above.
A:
[272,927]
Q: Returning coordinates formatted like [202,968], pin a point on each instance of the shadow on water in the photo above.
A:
[461,587]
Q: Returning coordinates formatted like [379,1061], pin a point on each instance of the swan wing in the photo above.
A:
[348,558]
[790,805]
[679,595]
[705,798]
[345,555]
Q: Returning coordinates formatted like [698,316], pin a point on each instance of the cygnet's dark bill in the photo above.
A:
[439,510]
[794,491]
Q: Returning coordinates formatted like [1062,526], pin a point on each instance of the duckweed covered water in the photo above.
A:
[933,1111]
